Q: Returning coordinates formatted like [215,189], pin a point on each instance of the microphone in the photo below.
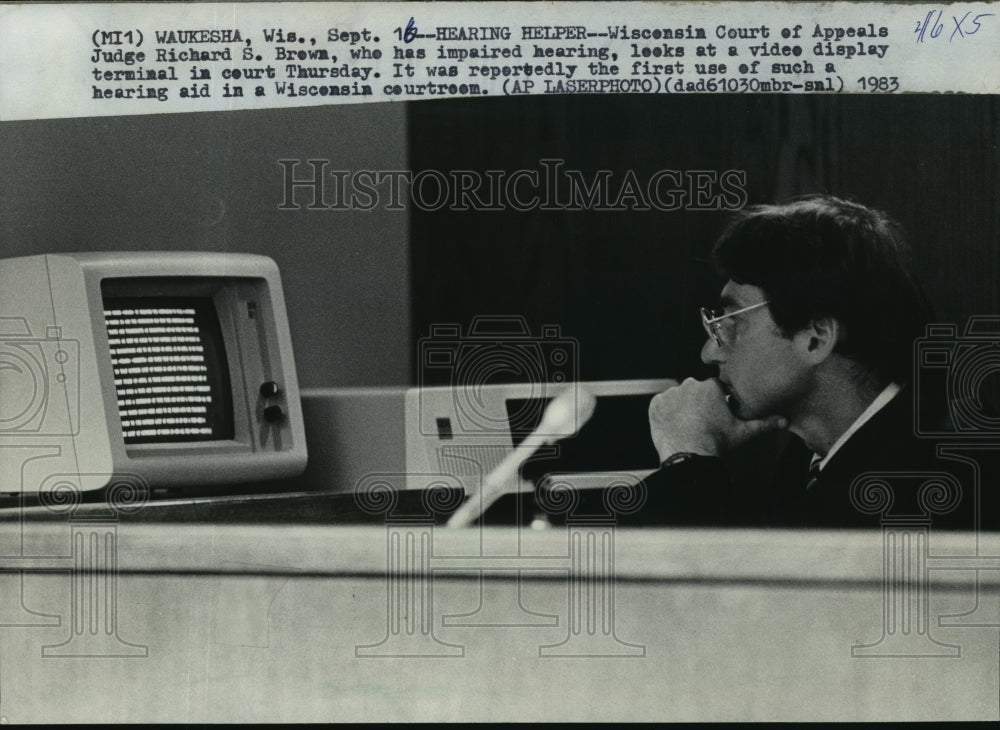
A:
[563,417]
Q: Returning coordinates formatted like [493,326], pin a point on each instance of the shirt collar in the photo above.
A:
[881,400]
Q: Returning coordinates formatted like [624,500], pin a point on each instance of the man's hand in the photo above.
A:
[694,417]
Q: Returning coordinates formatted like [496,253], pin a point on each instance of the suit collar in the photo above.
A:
[880,402]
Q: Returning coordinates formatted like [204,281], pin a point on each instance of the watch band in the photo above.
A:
[679,457]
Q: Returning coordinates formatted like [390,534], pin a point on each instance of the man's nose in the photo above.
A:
[711,353]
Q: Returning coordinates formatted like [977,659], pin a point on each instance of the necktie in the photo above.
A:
[814,472]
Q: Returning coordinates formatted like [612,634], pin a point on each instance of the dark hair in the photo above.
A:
[820,256]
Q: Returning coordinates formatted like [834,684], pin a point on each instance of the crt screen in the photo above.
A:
[170,369]
[615,438]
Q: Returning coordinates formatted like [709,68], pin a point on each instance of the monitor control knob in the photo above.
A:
[273,414]
[269,389]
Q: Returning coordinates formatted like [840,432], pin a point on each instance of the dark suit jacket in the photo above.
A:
[883,472]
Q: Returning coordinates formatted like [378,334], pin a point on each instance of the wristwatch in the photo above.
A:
[679,457]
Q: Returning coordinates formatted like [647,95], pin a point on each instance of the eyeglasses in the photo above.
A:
[715,324]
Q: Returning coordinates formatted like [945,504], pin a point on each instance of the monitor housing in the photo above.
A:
[164,369]
[414,438]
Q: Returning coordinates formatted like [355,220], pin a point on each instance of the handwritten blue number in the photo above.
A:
[961,29]
[411,31]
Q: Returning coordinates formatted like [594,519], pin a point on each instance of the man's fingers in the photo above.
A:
[776,422]
[694,416]
[760,426]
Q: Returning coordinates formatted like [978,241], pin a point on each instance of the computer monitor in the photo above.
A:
[174,369]
[413,438]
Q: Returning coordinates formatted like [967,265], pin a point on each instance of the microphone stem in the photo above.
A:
[495,484]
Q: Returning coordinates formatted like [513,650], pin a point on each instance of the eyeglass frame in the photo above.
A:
[711,323]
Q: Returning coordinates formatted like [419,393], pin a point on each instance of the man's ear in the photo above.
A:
[818,339]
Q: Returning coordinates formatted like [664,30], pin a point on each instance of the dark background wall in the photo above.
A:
[212,182]
[628,285]
[363,288]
